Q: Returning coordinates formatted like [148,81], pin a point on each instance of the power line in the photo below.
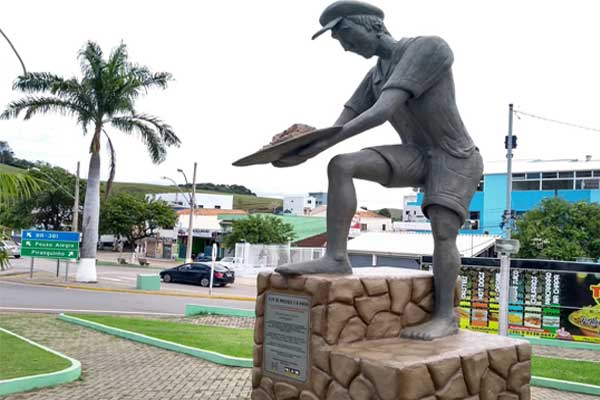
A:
[587,128]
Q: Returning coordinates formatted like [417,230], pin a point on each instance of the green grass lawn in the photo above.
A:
[566,370]
[19,358]
[9,169]
[229,341]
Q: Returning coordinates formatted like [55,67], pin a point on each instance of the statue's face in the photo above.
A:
[355,38]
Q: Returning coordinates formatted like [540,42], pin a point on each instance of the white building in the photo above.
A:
[363,221]
[410,244]
[412,210]
[203,200]
[298,205]
[370,221]
[206,221]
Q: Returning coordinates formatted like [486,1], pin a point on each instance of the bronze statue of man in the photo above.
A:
[411,86]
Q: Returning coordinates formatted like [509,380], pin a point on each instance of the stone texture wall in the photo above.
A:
[353,320]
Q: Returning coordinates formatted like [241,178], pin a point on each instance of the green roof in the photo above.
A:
[304,227]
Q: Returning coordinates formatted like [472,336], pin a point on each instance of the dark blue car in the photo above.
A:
[198,273]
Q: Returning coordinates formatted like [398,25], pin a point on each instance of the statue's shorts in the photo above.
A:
[445,180]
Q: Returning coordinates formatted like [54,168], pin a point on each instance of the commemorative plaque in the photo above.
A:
[286,336]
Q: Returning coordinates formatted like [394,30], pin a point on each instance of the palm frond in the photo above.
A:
[118,59]
[33,105]
[36,82]
[148,80]
[17,186]
[113,166]
[14,51]
[92,67]
[151,138]
[92,63]
[165,130]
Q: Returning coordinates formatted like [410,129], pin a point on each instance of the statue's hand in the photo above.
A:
[289,161]
[304,154]
[315,148]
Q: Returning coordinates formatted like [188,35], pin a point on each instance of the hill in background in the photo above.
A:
[240,201]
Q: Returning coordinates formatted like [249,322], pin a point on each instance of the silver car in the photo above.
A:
[12,248]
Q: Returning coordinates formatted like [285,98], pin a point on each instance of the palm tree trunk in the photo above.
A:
[86,271]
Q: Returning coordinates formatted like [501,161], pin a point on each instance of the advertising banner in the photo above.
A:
[546,304]
[547,299]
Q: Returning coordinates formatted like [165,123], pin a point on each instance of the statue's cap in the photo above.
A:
[335,12]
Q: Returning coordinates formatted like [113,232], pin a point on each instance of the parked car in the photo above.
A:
[198,273]
[202,258]
[12,248]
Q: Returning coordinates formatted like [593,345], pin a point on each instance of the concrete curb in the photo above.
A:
[135,291]
[567,386]
[26,383]
[164,344]
[559,343]
[195,309]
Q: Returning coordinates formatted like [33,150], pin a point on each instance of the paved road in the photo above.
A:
[126,278]
[53,299]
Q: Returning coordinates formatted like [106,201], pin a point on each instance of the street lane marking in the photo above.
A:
[111,279]
[59,310]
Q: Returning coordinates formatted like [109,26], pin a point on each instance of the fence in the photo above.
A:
[269,256]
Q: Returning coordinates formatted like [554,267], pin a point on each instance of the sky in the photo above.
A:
[245,71]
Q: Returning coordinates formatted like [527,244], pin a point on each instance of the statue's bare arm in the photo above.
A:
[347,115]
[383,109]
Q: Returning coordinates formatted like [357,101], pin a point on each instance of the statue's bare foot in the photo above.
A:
[432,329]
[323,265]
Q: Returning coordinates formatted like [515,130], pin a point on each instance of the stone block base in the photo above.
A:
[355,352]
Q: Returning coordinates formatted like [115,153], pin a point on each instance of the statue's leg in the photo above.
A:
[341,207]
[445,224]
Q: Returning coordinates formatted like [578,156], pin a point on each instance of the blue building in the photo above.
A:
[573,180]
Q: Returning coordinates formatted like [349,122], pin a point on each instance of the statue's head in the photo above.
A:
[356,25]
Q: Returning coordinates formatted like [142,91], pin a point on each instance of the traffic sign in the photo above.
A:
[56,236]
[56,254]
[50,244]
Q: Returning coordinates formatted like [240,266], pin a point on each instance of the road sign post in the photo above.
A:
[212,267]
[50,244]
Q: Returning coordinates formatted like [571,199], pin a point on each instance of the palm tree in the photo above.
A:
[104,97]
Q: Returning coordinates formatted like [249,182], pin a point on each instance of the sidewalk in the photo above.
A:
[115,368]
[113,256]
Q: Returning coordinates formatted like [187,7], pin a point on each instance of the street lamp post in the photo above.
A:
[192,204]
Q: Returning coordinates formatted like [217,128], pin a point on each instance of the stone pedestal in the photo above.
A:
[324,337]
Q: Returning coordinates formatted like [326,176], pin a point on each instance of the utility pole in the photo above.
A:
[506,246]
[509,156]
[190,240]
[75,223]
